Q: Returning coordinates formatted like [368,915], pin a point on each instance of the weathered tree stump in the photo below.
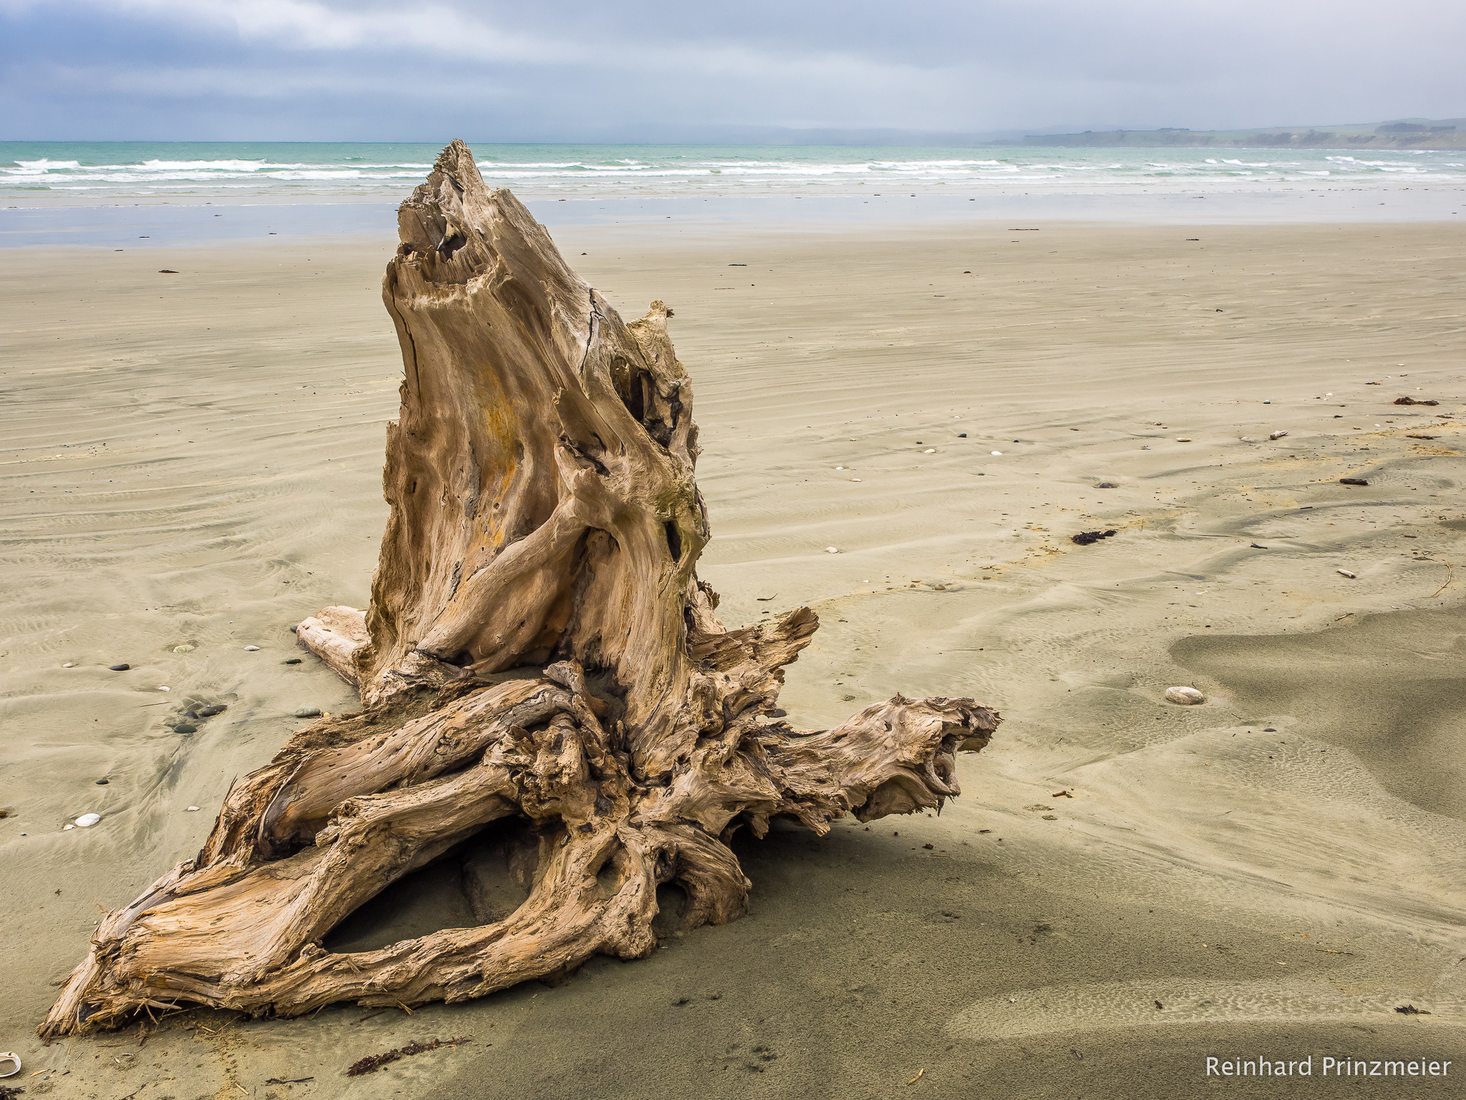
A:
[538,656]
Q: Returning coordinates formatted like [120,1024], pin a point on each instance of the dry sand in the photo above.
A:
[192,460]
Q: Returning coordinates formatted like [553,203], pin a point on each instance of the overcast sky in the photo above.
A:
[566,70]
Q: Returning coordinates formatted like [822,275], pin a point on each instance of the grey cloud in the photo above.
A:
[643,69]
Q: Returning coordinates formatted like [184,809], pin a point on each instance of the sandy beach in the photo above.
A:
[190,462]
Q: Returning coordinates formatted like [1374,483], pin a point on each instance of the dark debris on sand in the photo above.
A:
[1084,538]
[373,1062]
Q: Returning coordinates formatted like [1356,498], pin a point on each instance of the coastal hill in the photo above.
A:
[1410,133]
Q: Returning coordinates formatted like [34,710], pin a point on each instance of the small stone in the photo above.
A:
[832,549]
[69,664]
[251,649]
[186,647]
[1346,573]
[308,712]
[1107,485]
[212,709]
[996,454]
[291,661]
[1276,435]
[1353,481]
[961,435]
[185,727]
[102,782]
[120,667]
[929,451]
[1184,696]
[294,627]
[86,821]
[191,809]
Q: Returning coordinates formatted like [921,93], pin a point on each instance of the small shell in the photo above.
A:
[86,821]
[1346,573]
[832,549]
[251,649]
[1184,696]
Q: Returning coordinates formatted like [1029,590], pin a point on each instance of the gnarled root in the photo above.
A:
[538,652]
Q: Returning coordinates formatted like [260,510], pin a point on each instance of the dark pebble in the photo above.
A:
[119,668]
[1352,481]
[101,782]
[961,435]
[1084,538]
[291,661]
[212,709]
[1107,485]
[185,727]
[308,712]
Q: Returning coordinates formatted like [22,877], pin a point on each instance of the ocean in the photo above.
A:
[41,181]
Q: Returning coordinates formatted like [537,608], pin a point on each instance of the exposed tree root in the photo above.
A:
[538,650]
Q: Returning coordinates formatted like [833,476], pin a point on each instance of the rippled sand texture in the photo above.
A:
[189,462]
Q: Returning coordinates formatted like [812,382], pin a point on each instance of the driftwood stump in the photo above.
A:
[547,693]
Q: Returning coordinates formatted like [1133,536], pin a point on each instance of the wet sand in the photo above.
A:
[189,463]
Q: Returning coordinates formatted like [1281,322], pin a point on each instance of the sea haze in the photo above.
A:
[60,192]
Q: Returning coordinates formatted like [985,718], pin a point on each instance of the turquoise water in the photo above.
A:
[141,194]
[104,172]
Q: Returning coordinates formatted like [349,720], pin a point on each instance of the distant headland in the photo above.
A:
[1410,133]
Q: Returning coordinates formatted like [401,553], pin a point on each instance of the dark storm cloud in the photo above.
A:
[639,69]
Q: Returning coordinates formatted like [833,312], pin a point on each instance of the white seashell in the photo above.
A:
[929,451]
[832,549]
[86,821]
[997,453]
[251,649]
[67,827]
[1184,696]
[1346,573]
[191,809]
